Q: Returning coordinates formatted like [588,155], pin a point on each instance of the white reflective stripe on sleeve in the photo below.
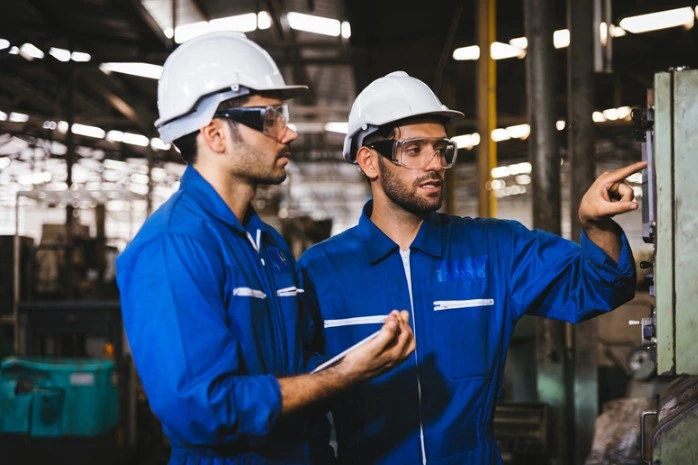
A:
[359,320]
[453,304]
[248,292]
[289,291]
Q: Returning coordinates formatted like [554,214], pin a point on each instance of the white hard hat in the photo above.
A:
[207,70]
[391,98]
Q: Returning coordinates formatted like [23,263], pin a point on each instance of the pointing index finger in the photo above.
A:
[622,173]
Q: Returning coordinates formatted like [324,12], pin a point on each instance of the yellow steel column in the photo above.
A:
[486,106]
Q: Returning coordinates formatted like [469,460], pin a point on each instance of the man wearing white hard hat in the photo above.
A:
[208,290]
[466,282]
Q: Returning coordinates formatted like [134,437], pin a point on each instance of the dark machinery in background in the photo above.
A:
[669,129]
[61,317]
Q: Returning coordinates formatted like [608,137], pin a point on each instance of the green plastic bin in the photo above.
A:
[51,397]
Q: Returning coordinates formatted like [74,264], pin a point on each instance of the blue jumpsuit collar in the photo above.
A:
[378,245]
[207,197]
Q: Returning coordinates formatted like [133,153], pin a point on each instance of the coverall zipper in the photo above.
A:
[408,274]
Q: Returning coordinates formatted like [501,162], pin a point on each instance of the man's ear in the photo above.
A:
[213,135]
[367,160]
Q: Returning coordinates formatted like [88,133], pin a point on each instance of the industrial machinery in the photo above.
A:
[669,130]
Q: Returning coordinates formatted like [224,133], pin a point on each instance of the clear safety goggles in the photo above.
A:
[271,120]
[417,153]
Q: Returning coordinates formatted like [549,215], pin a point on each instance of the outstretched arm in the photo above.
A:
[609,195]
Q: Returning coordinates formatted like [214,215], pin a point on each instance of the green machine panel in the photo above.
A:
[676,223]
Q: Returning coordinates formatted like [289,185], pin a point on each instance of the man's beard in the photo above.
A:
[407,198]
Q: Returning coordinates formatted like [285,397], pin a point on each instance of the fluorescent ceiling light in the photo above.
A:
[561,38]
[3,116]
[5,162]
[660,20]
[338,127]
[89,131]
[247,22]
[560,124]
[135,139]
[263,20]
[128,138]
[30,51]
[59,54]
[14,50]
[157,144]
[471,52]
[501,51]
[519,42]
[62,127]
[467,140]
[498,50]
[500,134]
[315,24]
[519,131]
[80,57]
[4,43]
[145,70]
[19,117]
[346,29]
[598,117]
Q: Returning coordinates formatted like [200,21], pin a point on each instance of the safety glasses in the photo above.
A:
[271,120]
[417,153]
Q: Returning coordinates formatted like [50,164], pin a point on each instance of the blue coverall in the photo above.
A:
[210,311]
[466,282]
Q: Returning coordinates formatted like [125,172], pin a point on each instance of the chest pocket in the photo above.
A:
[461,315]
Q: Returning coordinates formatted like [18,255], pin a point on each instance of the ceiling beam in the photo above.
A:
[286,35]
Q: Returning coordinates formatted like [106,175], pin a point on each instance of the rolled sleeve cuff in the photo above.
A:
[262,399]
[625,268]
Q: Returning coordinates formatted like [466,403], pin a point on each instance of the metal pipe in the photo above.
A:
[545,162]
[486,106]
[580,149]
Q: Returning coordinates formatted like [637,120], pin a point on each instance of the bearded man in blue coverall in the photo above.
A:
[467,282]
[208,290]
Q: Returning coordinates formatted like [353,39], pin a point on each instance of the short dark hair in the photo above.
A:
[187,145]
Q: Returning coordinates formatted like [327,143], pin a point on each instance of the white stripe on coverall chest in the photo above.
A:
[408,274]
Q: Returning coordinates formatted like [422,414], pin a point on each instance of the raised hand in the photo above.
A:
[609,195]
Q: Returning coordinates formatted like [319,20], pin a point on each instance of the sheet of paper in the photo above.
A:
[342,354]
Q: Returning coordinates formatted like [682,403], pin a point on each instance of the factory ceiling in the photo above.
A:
[57,64]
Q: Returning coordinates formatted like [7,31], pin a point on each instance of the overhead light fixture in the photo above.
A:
[471,52]
[498,51]
[145,70]
[263,20]
[561,38]
[519,131]
[59,54]
[80,57]
[4,162]
[29,51]
[3,116]
[467,141]
[560,124]
[660,20]
[157,144]
[338,127]
[346,29]
[86,130]
[501,51]
[246,22]
[4,43]
[14,50]
[500,134]
[314,24]
[18,117]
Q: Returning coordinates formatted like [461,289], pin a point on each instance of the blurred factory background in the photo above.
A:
[81,167]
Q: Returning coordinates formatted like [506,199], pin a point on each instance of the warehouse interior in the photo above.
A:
[82,167]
